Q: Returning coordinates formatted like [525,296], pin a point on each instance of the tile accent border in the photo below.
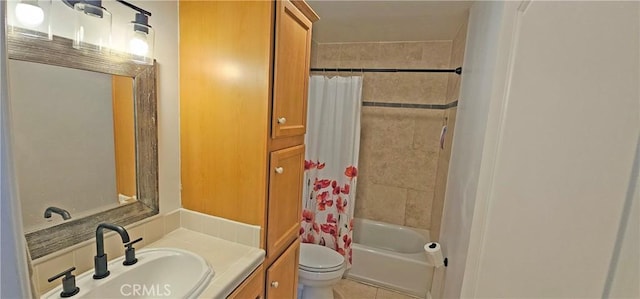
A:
[411,105]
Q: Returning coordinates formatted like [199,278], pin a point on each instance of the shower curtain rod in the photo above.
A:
[354,70]
[412,106]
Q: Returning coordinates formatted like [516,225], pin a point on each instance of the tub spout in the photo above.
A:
[62,212]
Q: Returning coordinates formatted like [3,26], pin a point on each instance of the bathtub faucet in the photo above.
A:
[62,212]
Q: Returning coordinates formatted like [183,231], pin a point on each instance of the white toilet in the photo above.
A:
[320,268]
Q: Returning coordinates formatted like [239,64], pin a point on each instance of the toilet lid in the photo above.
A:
[319,258]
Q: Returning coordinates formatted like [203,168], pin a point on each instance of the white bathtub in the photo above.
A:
[390,256]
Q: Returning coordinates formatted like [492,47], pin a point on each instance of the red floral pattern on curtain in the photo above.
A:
[332,146]
[325,217]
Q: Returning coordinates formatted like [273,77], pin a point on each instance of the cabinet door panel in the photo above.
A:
[285,198]
[291,75]
[252,287]
[282,276]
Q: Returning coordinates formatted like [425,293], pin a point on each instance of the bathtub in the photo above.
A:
[390,256]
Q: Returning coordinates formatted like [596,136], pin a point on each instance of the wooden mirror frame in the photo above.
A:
[59,52]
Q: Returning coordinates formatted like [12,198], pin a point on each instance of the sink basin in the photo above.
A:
[159,273]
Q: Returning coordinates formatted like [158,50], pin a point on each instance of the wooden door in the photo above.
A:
[124,134]
[291,75]
[282,276]
[285,198]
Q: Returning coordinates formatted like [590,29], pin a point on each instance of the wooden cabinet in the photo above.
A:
[252,287]
[285,198]
[244,71]
[282,276]
[225,69]
[292,59]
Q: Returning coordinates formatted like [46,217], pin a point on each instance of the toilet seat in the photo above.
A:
[320,270]
[319,259]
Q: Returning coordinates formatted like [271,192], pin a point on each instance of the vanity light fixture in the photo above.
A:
[140,35]
[93,29]
[93,24]
[30,17]
[29,13]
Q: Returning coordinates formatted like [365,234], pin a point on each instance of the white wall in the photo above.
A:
[485,20]
[558,148]
[14,281]
[63,140]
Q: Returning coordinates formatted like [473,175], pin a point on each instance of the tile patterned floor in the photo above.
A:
[350,289]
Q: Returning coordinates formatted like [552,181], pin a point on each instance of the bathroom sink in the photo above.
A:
[159,273]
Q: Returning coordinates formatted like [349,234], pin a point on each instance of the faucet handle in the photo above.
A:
[130,244]
[130,253]
[68,282]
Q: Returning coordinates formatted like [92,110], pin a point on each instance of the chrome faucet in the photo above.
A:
[100,260]
[62,212]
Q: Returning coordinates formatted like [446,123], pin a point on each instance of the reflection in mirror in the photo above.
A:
[74,142]
[59,52]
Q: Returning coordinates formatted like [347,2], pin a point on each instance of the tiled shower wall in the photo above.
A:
[453,93]
[399,148]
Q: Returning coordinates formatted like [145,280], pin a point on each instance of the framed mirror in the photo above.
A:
[84,139]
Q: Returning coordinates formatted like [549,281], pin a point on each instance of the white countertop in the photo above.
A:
[231,262]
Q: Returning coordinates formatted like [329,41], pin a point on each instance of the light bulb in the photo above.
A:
[138,44]
[29,14]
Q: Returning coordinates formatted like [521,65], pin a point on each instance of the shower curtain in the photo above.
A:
[331,162]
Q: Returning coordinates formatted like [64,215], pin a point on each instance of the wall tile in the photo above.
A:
[451,123]
[228,230]
[387,127]
[422,88]
[314,54]
[139,232]
[382,203]
[370,54]
[436,54]
[154,230]
[192,220]
[399,148]
[350,51]
[418,211]
[171,222]
[426,135]
[401,52]
[328,55]
[413,169]
[211,226]
[83,258]
[453,93]
[113,246]
[438,199]
[458,45]
[244,235]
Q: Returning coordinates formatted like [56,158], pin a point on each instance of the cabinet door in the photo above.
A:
[282,276]
[252,287]
[285,198]
[291,71]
